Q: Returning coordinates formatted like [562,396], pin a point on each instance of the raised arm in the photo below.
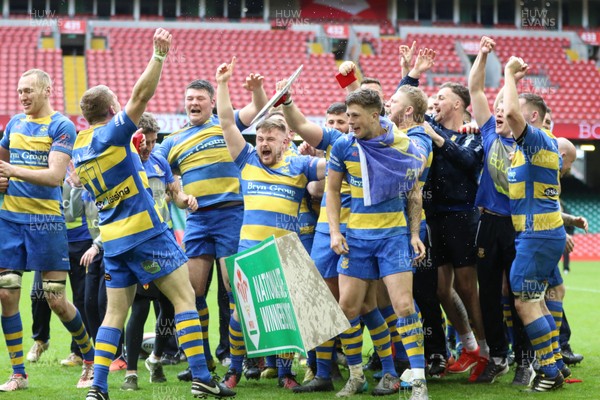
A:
[423,63]
[146,85]
[500,96]
[512,109]
[254,84]
[233,137]
[406,55]
[481,108]
[297,122]
[345,68]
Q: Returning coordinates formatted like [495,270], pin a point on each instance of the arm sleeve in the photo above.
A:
[467,156]
[75,208]
[489,128]
[238,122]
[423,143]
[336,161]
[244,155]
[534,139]
[330,136]
[311,168]
[167,168]
[119,130]
[407,80]
[5,141]
[64,137]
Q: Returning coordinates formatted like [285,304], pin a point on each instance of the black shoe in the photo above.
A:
[168,359]
[493,371]
[185,375]
[231,378]
[251,368]
[565,371]
[288,381]
[95,394]
[569,357]
[387,385]
[336,375]
[156,371]
[437,365]
[510,358]
[212,388]
[541,383]
[401,366]
[524,375]
[316,385]
[374,363]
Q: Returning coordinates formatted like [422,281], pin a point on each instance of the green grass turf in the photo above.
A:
[49,380]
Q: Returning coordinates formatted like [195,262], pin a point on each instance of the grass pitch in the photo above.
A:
[49,380]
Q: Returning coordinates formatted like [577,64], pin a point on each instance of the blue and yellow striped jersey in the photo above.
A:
[272,195]
[423,143]
[377,221]
[307,218]
[492,193]
[534,185]
[30,142]
[330,136]
[159,176]
[200,155]
[110,168]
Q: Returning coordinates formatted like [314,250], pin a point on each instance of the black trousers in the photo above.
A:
[495,253]
[425,281]
[222,350]
[565,332]
[134,333]
[95,295]
[39,306]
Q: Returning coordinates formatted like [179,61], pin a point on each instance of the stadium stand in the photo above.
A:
[195,54]
[563,82]
[17,59]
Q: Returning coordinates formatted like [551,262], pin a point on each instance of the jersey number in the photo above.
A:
[89,171]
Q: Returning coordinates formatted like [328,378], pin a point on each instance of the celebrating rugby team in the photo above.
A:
[420,207]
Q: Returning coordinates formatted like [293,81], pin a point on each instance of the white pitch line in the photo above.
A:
[583,289]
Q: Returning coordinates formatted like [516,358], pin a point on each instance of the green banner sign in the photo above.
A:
[263,301]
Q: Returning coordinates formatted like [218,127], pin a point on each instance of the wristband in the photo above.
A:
[288,103]
[284,99]
[159,55]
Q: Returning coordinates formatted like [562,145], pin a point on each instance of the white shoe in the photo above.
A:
[87,376]
[15,382]
[37,350]
[226,362]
